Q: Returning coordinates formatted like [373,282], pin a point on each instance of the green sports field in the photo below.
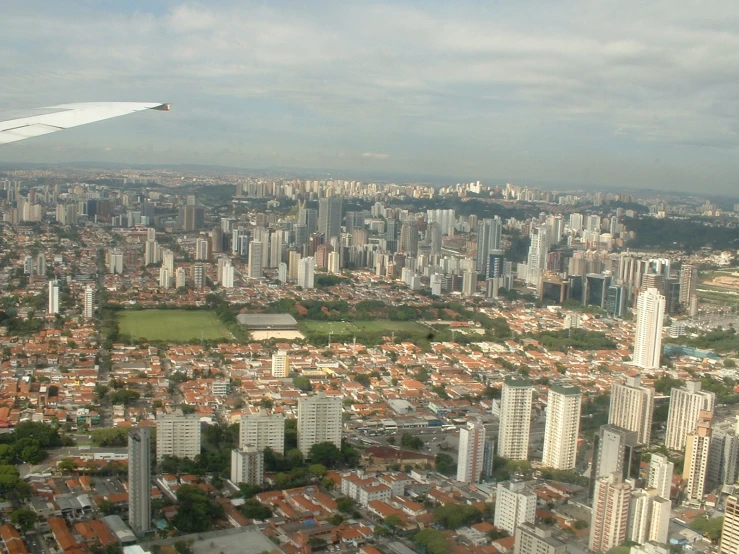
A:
[358,327]
[171,325]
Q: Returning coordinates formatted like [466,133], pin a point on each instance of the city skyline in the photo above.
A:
[588,95]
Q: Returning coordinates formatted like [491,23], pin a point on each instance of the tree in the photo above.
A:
[711,527]
[254,510]
[106,507]
[196,511]
[23,518]
[303,383]
[411,441]
[294,457]
[454,516]
[393,521]
[326,454]
[432,540]
[67,465]
[445,464]
[317,470]
[33,454]
[345,504]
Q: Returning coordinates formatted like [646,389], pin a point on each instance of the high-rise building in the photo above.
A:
[319,420]
[562,427]
[471,452]
[695,468]
[168,261]
[54,297]
[247,465]
[729,543]
[514,505]
[488,239]
[532,539]
[280,364]
[334,263]
[649,516]
[515,419]
[307,272]
[632,406]
[139,479]
[178,435]
[650,307]
[115,262]
[180,277]
[537,256]
[192,217]
[202,250]
[329,217]
[409,237]
[263,430]
[650,548]
[659,475]
[609,523]
[616,450]
[659,527]
[165,278]
[723,460]
[469,283]
[89,304]
[688,285]
[686,405]
[255,259]
[198,275]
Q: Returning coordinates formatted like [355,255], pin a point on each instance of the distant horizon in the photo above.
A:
[398,178]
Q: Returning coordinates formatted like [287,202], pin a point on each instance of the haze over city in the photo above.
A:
[614,95]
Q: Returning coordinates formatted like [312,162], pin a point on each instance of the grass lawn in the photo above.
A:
[171,325]
[351,327]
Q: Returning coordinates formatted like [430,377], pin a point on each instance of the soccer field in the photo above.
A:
[352,327]
[171,325]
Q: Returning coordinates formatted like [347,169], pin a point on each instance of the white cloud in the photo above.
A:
[430,83]
[375,156]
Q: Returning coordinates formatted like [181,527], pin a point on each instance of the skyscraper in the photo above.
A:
[488,239]
[686,405]
[54,297]
[178,435]
[514,504]
[616,450]
[255,259]
[532,539]
[263,430]
[409,237]
[688,284]
[307,272]
[609,524]
[562,427]
[89,304]
[650,308]
[139,479]
[695,468]
[202,250]
[632,406]
[319,420]
[247,465]
[329,217]
[537,256]
[515,419]
[280,364]
[660,475]
[729,543]
[471,452]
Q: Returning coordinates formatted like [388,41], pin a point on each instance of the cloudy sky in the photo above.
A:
[637,94]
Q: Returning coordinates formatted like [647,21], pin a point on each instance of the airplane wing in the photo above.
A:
[41,121]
